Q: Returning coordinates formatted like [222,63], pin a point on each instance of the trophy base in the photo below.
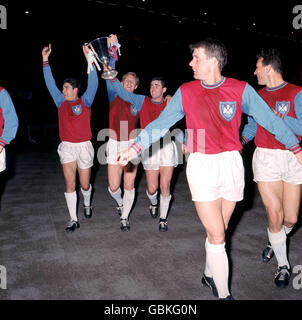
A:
[110,74]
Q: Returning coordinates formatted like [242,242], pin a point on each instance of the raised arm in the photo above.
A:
[55,93]
[10,119]
[93,82]
[110,89]
[135,99]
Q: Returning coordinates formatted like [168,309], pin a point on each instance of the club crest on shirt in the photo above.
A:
[282,107]
[77,109]
[227,110]
[134,110]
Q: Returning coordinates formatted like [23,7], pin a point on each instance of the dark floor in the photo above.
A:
[100,262]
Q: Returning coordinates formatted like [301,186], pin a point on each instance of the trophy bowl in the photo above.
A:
[100,50]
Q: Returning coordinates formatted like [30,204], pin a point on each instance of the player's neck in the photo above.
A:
[212,79]
[274,81]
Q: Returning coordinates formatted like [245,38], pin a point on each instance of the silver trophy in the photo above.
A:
[99,48]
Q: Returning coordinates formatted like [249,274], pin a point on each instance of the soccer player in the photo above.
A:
[8,124]
[123,118]
[75,150]
[276,170]
[212,105]
[158,161]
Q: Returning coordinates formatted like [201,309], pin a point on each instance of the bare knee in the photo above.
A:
[114,187]
[290,222]
[275,216]
[152,189]
[85,186]
[216,238]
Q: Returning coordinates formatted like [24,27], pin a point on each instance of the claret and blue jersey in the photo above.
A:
[74,116]
[286,101]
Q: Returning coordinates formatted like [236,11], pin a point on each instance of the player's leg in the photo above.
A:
[115,172]
[85,156]
[291,203]
[152,177]
[86,189]
[69,166]
[69,171]
[217,265]
[166,173]
[272,197]
[129,194]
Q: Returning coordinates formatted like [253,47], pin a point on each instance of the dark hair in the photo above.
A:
[161,79]
[213,48]
[75,83]
[273,57]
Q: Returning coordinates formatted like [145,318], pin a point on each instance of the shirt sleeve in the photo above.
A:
[254,106]
[110,89]
[296,124]
[55,93]
[156,129]
[10,118]
[136,100]
[249,131]
[92,87]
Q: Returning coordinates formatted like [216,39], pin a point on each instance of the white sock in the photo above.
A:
[164,206]
[287,229]
[153,198]
[219,265]
[207,270]
[128,200]
[117,196]
[86,196]
[71,199]
[278,242]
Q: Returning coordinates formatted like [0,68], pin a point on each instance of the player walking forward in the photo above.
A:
[276,170]
[75,150]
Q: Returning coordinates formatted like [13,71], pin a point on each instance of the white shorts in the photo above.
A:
[276,165]
[114,146]
[2,160]
[161,157]
[81,152]
[214,176]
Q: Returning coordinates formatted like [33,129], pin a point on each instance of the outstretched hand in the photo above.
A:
[86,51]
[46,52]
[123,157]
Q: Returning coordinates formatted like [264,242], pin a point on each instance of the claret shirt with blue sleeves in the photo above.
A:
[8,118]
[213,117]
[286,101]
[74,116]
[123,116]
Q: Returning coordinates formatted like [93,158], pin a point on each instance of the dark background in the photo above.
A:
[154,36]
